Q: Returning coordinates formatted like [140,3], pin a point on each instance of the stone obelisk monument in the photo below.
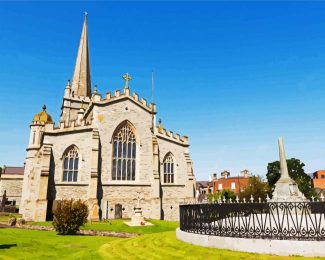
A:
[286,189]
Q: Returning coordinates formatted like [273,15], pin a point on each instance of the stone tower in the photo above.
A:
[35,182]
[78,92]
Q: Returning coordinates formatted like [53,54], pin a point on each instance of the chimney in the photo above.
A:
[245,173]
[225,174]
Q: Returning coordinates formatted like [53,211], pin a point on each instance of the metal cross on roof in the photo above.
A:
[127,78]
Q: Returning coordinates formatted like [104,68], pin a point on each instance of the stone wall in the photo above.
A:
[126,196]
[107,119]
[30,184]
[13,187]
[71,192]
[63,141]
[181,191]
[180,168]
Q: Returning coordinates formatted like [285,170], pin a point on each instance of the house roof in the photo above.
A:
[202,184]
[234,177]
[13,170]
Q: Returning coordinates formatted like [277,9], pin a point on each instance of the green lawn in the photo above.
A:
[119,226]
[31,244]
[5,218]
[156,242]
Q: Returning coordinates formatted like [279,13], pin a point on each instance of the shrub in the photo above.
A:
[225,194]
[257,188]
[69,216]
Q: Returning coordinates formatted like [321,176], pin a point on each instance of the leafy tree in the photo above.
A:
[225,194]
[296,172]
[256,188]
[69,216]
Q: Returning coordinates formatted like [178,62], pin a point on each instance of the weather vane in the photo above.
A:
[127,78]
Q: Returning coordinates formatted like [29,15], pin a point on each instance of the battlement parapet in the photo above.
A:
[42,124]
[125,94]
[78,99]
[66,125]
[72,125]
[162,132]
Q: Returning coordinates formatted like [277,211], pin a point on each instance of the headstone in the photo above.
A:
[21,222]
[286,189]
[94,216]
[12,221]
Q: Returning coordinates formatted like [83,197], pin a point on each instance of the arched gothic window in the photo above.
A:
[169,169]
[70,165]
[124,154]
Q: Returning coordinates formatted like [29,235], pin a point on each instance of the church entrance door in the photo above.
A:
[118,211]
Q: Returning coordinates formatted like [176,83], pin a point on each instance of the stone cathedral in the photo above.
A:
[106,150]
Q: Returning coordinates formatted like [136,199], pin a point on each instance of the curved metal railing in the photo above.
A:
[268,220]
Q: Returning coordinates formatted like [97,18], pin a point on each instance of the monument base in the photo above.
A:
[287,190]
[141,224]
[137,219]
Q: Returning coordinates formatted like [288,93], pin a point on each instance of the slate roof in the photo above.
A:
[202,184]
[13,170]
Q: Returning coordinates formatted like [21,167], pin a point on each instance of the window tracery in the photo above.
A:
[169,168]
[124,154]
[70,165]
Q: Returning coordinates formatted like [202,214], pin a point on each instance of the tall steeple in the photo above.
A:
[81,85]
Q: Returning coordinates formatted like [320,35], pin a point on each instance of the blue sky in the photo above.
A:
[232,76]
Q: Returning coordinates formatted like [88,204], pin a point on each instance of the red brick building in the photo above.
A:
[235,184]
[319,179]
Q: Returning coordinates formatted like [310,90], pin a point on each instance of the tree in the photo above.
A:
[296,172]
[225,194]
[69,216]
[256,188]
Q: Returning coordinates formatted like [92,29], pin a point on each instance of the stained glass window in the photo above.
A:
[169,169]
[70,165]
[124,154]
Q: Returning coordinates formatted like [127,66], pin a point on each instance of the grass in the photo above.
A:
[166,246]
[156,242]
[32,244]
[5,218]
[119,226]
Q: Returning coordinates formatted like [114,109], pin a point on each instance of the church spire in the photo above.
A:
[81,85]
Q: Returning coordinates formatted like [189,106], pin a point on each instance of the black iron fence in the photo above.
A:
[268,220]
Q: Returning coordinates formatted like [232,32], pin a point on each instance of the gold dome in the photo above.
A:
[43,117]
